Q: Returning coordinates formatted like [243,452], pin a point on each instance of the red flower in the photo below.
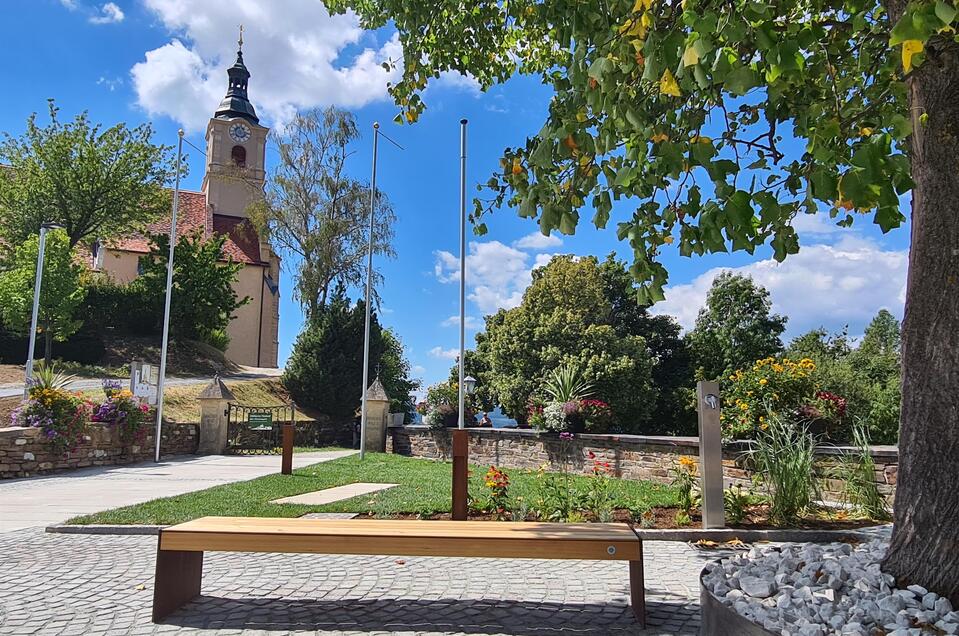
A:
[592,455]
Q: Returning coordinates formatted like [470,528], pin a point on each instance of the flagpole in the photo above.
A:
[462,358]
[369,288]
[169,294]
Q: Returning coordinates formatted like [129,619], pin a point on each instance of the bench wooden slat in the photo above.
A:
[407,538]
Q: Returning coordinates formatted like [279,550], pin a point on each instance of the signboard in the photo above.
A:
[144,381]
[261,419]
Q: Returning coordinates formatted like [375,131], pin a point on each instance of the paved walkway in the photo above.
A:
[103,585]
[41,501]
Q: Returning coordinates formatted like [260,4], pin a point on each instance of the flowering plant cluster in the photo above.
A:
[123,412]
[590,415]
[60,415]
[498,483]
[684,479]
[779,385]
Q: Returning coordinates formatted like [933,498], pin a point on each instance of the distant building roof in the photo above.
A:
[242,242]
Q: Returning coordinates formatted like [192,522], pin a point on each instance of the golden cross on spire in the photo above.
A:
[240,41]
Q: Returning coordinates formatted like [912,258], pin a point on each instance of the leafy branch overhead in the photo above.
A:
[725,120]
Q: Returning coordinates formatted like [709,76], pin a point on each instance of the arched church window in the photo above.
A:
[239,156]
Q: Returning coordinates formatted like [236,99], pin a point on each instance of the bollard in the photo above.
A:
[710,454]
[460,474]
[287,464]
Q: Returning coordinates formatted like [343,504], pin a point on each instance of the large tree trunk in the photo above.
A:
[925,540]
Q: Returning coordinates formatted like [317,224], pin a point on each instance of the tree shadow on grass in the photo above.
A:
[671,615]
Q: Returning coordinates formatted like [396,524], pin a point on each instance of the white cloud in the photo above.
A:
[110,84]
[822,285]
[496,274]
[69,4]
[109,14]
[817,225]
[538,241]
[440,352]
[299,57]
[471,322]
[418,369]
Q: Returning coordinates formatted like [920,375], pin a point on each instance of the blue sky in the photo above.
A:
[163,61]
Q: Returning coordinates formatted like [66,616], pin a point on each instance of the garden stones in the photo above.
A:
[826,590]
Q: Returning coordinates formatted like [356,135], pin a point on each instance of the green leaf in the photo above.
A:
[741,80]
[945,12]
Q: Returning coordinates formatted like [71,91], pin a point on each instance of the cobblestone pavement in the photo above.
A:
[102,585]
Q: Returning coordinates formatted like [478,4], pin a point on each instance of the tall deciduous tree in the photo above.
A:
[93,182]
[735,327]
[686,105]
[61,291]
[204,301]
[314,211]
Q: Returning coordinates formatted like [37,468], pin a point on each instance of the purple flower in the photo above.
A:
[565,435]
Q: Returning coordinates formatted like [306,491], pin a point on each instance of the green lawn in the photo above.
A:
[424,489]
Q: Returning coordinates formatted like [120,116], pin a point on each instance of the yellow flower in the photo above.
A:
[686,461]
[744,406]
[763,381]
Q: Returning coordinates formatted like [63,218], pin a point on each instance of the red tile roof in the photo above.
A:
[193,213]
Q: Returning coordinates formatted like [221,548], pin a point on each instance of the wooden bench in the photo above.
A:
[179,565]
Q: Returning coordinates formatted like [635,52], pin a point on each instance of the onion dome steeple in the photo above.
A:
[237,103]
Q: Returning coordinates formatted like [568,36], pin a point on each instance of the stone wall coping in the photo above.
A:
[878,451]
[19,431]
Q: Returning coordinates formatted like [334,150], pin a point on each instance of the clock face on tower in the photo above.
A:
[240,132]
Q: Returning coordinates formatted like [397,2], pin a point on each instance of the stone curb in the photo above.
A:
[63,528]
[721,535]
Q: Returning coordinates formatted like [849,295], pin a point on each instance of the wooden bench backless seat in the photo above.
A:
[179,565]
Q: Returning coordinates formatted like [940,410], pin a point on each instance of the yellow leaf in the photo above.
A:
[668,84]
[140,587]
[865,132]
[581,116]
[910,48]
[658,137]
[690,56]
[668,239]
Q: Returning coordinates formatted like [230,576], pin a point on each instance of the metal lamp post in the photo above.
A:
[169,294]
[36,305]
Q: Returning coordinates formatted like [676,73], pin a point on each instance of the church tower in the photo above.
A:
[235,147]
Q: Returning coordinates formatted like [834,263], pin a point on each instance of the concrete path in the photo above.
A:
[85,585]
[337,493]
[41,501]
[87,384]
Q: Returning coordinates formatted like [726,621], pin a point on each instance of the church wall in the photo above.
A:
[243,329]
[121,267]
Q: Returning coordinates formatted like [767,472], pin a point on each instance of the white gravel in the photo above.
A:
[808,589]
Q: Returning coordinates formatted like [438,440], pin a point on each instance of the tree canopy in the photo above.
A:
[93,182]
[735,327]
[313,210]
[61,292]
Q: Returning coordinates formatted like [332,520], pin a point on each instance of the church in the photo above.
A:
[233,179]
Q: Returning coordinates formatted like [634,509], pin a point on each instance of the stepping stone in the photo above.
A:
[329,495]
[329,515]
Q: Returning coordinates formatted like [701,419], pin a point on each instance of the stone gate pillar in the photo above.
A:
[214,405]
[377,416]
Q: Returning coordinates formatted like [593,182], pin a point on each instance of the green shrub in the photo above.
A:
[736,502]
[217,338]
[781,386]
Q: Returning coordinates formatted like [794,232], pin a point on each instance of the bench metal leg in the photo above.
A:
[637,591]
[177,581]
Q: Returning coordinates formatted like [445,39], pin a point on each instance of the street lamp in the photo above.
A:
[36,304]
[469,384]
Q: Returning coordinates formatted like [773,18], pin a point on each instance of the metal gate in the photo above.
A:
[256,430]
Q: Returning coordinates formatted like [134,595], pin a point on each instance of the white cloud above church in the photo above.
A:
[300,57]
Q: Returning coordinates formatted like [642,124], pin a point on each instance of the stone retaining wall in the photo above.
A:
[630,456]
[23,453]
[319,433]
